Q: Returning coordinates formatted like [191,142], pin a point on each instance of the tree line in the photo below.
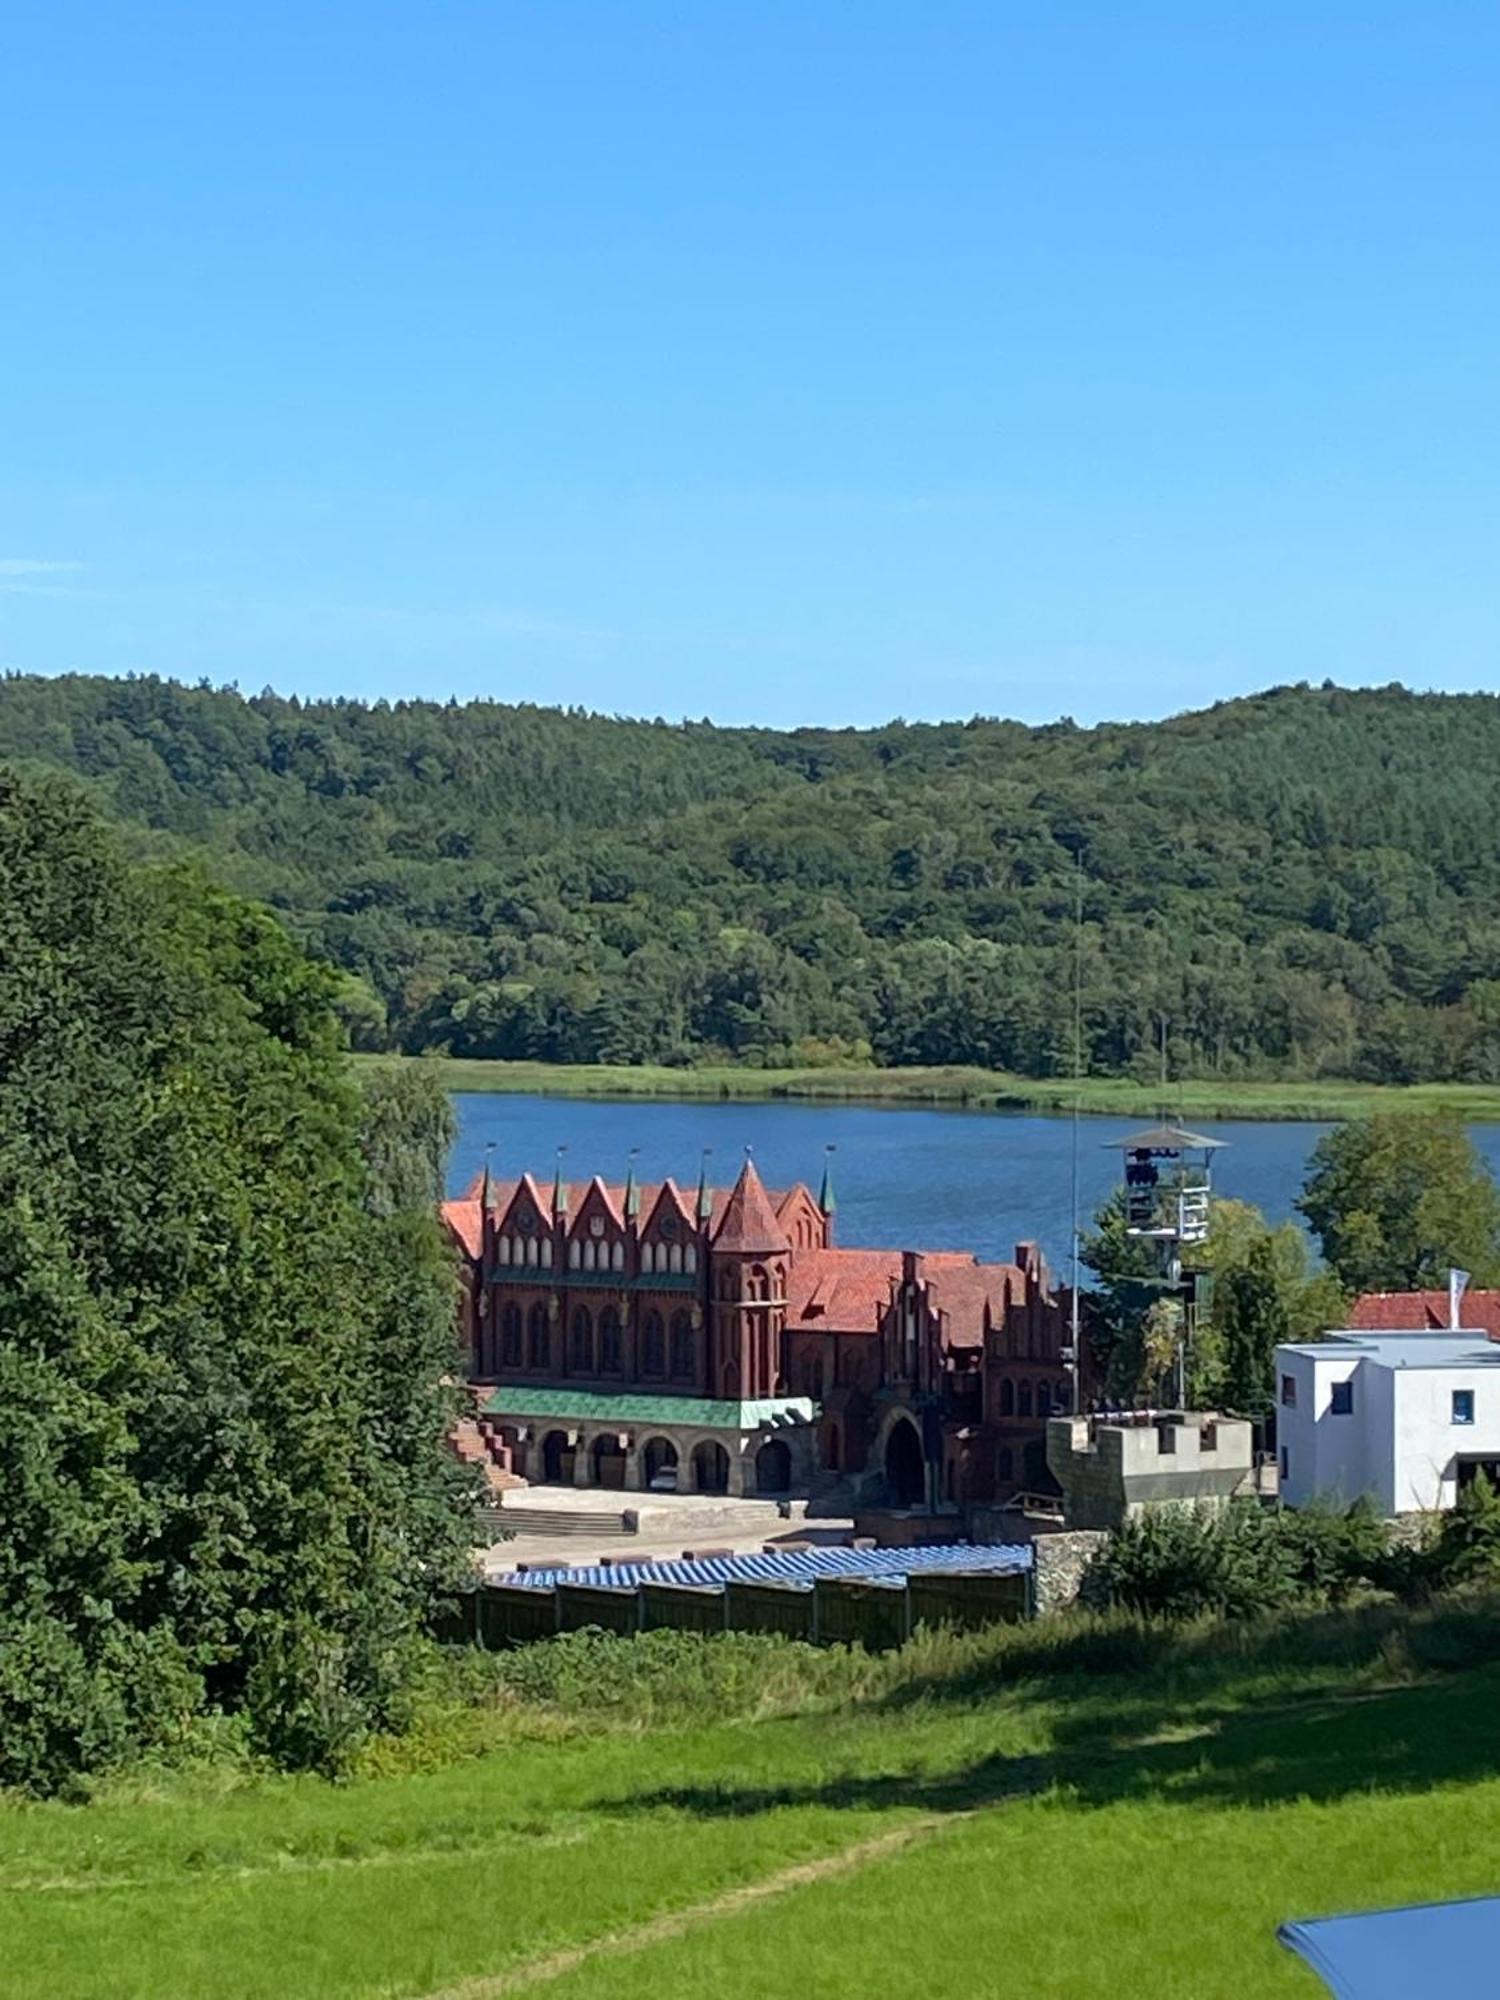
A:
[1304,883]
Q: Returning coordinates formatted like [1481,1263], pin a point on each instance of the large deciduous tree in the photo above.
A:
[223,1330]
[1398,1199]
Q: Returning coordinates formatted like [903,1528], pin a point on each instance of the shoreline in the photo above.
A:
[1327,1100]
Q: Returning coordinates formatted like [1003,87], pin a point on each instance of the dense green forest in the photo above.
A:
[1305,883]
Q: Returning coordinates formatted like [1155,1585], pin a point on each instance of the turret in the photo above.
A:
[751,1252]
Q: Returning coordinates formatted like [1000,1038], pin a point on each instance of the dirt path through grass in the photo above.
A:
[674,1924]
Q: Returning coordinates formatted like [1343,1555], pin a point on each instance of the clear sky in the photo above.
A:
[773,362]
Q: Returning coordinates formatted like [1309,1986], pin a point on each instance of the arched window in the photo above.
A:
[1007,1398]
[674,1257]
[609,1342]
[545,1252]
[1023,1401]
[690,1258]
[510,1336]
[617,1255]
[575,1254]
[812,1379]
[538,1338]
[653,1345]
[502,1249]
[759,1284]
[648,1256]
[581,1346]
[1044,1399]
[590,1257]
[682,1347]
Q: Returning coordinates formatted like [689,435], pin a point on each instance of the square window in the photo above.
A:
[1463,1406]
[1341,1402]
[1289,1392]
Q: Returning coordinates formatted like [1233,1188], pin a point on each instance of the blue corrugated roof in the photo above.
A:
[794,1566]
[1404,1954]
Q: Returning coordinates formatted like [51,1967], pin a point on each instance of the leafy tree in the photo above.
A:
[1396,1200]
[1250,1314]
[222,1336]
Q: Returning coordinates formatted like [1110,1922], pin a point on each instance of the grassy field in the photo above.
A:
[1088,1810]
[977,1088]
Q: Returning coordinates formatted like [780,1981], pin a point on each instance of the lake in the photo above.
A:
[905,1179]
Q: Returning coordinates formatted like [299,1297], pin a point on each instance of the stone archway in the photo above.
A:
[558,1459]
[905,1468]
[773,1467]
[659,1466]
[710,1467]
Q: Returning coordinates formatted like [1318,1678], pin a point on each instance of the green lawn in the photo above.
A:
[1066,1815]
[979,1088]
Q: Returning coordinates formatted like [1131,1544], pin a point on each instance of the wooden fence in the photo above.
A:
[830,1612]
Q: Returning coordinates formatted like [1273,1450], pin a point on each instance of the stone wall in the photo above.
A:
[1062,1561]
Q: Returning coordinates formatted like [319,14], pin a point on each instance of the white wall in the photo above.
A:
[1326,1456]
[1428,1442]
[1399,1445]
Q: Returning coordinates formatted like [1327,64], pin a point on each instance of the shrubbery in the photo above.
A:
[1247,1559]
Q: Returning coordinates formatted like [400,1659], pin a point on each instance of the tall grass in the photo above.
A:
[980,1089]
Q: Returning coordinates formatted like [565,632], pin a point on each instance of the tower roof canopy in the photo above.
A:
[1164,1139]
[750,1224]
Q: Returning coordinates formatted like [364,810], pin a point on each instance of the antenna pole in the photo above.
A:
[1074,1372]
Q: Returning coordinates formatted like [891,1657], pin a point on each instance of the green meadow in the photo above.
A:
[980,1089]
[1092,1807]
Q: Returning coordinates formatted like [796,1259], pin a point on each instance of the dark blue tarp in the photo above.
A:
[804,1566]
[1411,1954]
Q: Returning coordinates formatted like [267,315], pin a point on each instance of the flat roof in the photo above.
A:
[1416,1349]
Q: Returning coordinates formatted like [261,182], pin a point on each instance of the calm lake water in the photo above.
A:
[934,1179]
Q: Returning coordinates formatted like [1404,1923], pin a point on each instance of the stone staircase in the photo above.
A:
[555,1521]
[655,1516]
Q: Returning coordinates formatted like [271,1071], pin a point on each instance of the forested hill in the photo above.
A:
[1302,883]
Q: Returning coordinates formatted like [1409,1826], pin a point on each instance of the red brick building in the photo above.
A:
[638,1335]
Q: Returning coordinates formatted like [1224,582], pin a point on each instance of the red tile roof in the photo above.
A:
[463,1220]
[847,1291]
[750,1225]
[840,1291]
[1425,1312]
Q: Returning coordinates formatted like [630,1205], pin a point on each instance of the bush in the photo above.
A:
[1176,1562]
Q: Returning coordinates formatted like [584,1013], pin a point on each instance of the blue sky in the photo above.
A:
[771,362]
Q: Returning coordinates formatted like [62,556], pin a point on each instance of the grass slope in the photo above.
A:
[1053,1813]
[982,1089]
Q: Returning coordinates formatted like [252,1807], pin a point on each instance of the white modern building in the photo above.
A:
[1403,1419]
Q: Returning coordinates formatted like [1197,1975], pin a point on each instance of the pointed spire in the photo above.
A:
[705,1199]
[632,1189]
[559,1186]
[826,1199]
[750,1223]
[486,1189]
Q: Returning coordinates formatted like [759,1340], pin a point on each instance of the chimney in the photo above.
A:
[1457,1280]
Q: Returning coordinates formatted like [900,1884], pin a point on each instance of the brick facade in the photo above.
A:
[929,1376]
